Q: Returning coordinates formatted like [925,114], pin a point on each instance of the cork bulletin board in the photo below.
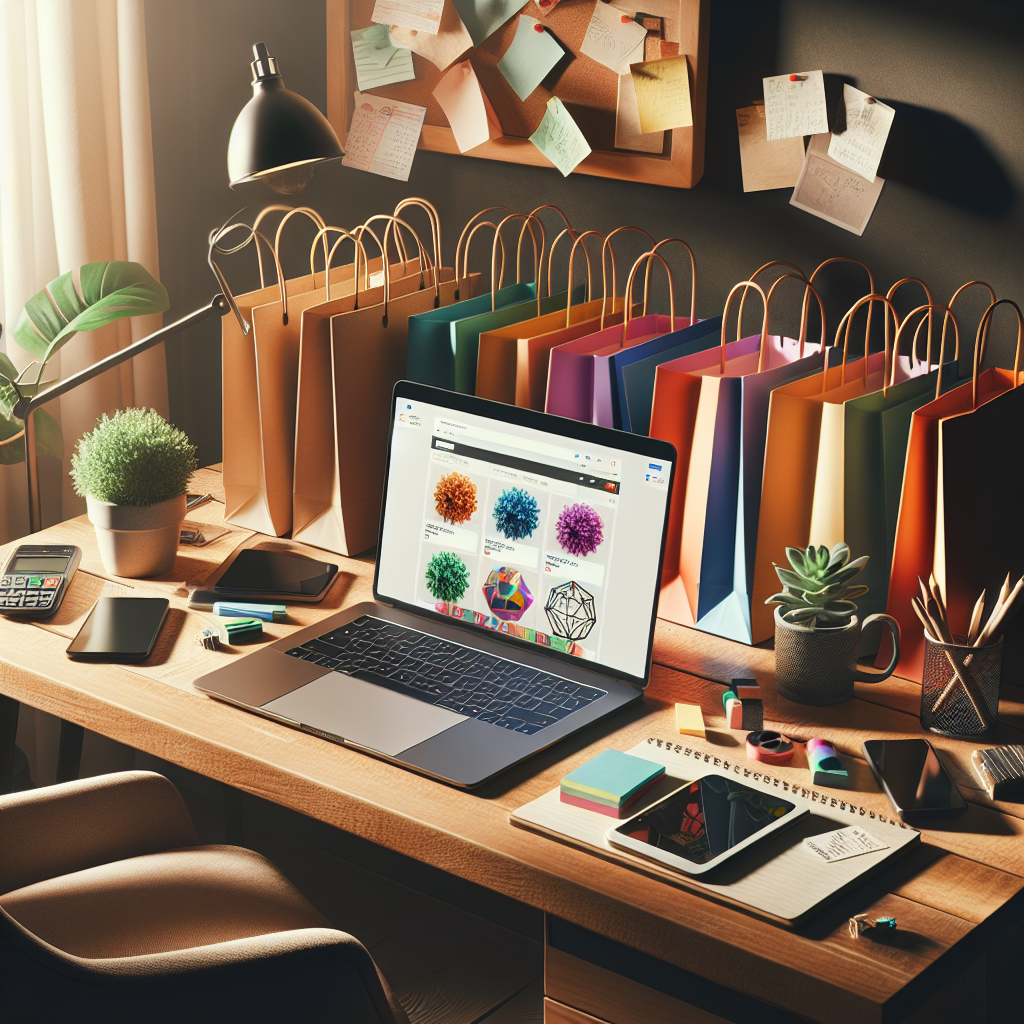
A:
[587,89]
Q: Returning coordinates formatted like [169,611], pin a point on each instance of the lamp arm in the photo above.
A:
[27,405]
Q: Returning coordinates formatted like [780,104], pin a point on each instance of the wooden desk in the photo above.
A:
[955,895]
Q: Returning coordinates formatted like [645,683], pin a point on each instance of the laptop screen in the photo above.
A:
[525,532]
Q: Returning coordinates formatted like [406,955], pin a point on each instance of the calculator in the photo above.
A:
[36,579]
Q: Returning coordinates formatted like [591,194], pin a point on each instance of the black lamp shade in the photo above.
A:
[279,135]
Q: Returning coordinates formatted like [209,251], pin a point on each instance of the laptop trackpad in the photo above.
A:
[364,713]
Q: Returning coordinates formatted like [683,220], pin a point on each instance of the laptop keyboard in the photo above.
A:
[482,686]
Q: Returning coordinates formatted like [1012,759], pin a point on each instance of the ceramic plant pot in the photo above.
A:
[819,666]
[137,540]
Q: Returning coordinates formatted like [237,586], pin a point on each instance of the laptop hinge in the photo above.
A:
[320,732]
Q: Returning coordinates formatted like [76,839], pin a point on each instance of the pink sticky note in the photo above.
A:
[467,107]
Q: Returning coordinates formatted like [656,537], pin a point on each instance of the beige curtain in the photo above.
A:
[76,186]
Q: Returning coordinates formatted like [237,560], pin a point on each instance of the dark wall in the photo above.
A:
[950,210]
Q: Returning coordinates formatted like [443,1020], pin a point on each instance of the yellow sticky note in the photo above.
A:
[662,94]
[689,720]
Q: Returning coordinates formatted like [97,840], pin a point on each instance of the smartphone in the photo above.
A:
[120,629]
[911,775]
[700,826]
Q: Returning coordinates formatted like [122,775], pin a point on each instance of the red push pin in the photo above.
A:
[625,19]
[798,78]
[538,28]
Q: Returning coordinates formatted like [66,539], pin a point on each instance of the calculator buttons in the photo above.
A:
[51,582]
[34,581]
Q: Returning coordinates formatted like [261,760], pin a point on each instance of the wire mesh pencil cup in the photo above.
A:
[960,687]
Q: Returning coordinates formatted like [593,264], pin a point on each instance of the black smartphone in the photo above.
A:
[120,629]
[911,775]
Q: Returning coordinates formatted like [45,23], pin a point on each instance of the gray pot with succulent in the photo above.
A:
[817,632]
[133,471]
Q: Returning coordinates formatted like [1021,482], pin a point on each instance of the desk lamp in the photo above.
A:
[277,138]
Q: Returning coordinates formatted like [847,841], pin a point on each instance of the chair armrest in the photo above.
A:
[309,974]
[58,829]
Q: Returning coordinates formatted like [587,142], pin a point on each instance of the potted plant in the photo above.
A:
[817,632]
[133,471]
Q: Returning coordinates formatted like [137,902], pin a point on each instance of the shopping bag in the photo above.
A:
[723,486]
[353,351]
[960,505]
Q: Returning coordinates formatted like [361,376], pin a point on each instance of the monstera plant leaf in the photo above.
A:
[12,440]
[108,291]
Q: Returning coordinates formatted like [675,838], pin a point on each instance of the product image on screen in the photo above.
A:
[706,819]
[527,533]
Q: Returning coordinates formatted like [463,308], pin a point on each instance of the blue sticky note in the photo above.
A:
[530,58]
[611,778]
[483,18]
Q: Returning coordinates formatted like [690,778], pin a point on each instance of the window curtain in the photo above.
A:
[76,187]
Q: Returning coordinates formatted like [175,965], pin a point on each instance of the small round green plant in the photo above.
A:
[447,577]
[134,457]
[819,589]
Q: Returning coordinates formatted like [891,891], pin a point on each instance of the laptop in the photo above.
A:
[516,588]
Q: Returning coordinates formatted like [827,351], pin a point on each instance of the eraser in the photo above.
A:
[234,631]
[753,715]
[690,721]
[266,612]
[727,696]
[826,768]
[734,713]
[747,688]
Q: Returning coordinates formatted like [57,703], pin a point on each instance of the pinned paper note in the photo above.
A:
[844,843]
[795,105]
[383,135]
[833,192]
[559,138]
[662,94]
[766,164]
[530,57]
[547,5]
[627,122]
[467,108]
[867,127]
[613,39]
[422,15]
[483,18]
[369,45]
[443,49]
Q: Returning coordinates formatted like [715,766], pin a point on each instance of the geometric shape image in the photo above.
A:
[579,530]
[447,577]
[516,513]
[507,594]
[455,498]
[570,610]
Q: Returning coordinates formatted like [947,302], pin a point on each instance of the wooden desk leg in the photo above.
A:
[8,733]
[69,752]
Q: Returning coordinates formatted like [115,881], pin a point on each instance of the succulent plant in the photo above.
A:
[818,590]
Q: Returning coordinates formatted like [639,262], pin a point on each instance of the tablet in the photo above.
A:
[705,823]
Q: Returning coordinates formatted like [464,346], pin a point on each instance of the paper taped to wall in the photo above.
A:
[868,122]
[795,105]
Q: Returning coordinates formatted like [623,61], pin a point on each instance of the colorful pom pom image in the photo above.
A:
[447,577]
[579,529]
[516,513]
[455,498]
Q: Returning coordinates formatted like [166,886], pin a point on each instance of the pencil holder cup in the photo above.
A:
[960,687]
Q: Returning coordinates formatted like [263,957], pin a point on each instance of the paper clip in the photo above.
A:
[862,923]
[798,78]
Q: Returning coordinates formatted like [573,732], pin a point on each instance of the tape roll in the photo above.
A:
[769,746]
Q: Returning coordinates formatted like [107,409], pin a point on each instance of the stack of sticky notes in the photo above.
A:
[611,783]
[690,721]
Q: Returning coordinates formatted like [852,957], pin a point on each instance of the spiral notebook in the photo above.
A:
[779,880]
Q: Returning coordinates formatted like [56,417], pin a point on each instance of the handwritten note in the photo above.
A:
[833,192]
[795,105]
[662,94]
[422,15]
[443,49]
[844,843]
[867,128]
[559,138]
[530,56]
[467,108]
[383,135]
[483,18]
[377,61]
[613,39]
[627,122]
[766,164]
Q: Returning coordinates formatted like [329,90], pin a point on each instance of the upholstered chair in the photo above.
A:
[110,910]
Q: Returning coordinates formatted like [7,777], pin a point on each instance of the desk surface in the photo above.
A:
[949,895]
